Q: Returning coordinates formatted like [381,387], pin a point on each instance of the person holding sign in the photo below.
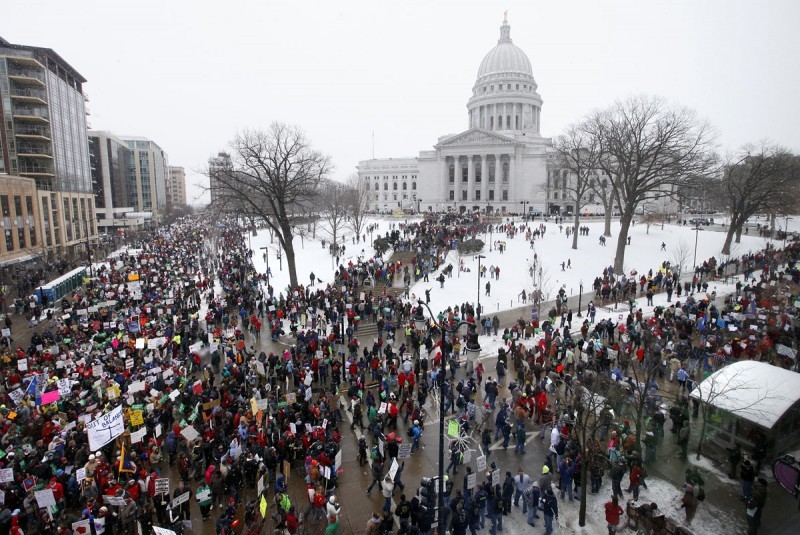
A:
[204,500]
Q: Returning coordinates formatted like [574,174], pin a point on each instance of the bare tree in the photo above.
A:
[759,179]
[273,175]
[578,153]
[334,199]
[681,254]
[358,204]
[604,189]
[648,149]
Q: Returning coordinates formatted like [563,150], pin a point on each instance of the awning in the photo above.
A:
[20,259]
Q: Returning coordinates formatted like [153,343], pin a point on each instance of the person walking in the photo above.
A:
[387,487]
[689,502]
[550,510]
[635,480]
[748,475]
[377,473]
[531,497]
[613,514]
[521,483]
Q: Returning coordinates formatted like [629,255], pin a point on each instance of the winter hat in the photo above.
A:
[689,489]
[545,469]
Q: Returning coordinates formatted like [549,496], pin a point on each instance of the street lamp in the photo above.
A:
[785,231]
[473,347]
[580,297]
[478,309]
[696,230]
[524,211]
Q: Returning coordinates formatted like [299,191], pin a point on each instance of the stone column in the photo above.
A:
[511,176]
[470,178]
[444,187]
[484,178]
[498,176]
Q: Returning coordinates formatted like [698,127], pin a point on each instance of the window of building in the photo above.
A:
[385,186]
[452,195]
[508,121]
[477,194]
[492,88]
[463,195]
[505,171]
[413,186]
[31,219]
[452,173]
[405,196]
[464,173]
[394,196]
[517,87]
[394,186]
[405,186]
[377,186]
[491,194]
[555,195]
[505,194]
[7,222]
[19,220]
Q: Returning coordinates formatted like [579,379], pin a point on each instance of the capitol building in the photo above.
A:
[500,164]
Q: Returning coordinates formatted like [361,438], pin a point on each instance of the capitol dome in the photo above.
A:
[505,58]
[505,97]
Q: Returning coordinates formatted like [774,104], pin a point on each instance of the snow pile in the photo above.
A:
[708,520]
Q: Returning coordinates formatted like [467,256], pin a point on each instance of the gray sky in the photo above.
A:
[190,74]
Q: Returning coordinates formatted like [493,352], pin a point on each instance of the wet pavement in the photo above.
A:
[780,516]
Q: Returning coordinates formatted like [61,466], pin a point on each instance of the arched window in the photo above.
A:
[394,186]
[555,184]
[377,186]
[452,173]
[405,186]
[505,171]
[414,186]
[464,173]
[385,186]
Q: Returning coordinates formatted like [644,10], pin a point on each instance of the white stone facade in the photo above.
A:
[498,165]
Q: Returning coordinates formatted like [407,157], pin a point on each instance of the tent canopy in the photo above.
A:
[754,391]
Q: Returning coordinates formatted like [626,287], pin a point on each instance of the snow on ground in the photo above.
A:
[709,519]
[588,261]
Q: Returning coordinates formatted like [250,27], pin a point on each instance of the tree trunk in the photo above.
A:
[702,437]
[622,240]
[575,230]
[288,252]
[726,247]
[607,227]
[582,509]
[739,235]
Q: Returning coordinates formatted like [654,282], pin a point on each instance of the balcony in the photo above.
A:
[35,169]
[32,115]
[30,151]
[26,77]
[33,133]
[29,96]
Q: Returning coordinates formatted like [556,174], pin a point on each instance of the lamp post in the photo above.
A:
[696,230]
[419,201]
[580,297]
[421,322]
[477,310]
[524,211]
[785,231]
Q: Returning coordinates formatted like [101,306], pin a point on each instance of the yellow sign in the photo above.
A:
[137,418]
[263,507]
[133,277]
[254,406]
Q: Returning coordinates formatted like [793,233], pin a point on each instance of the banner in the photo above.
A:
[105,429]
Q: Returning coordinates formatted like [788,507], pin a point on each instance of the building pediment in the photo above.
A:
[476,137]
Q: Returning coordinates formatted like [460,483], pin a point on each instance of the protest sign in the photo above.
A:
[105,429]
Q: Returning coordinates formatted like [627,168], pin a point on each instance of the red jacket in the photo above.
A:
[613,513]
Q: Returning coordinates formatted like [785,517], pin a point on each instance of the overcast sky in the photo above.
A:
[190,74]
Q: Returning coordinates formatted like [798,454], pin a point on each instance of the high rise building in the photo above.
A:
[44,138]
[115,196]
[216,164]
[176,187]
[147,177]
